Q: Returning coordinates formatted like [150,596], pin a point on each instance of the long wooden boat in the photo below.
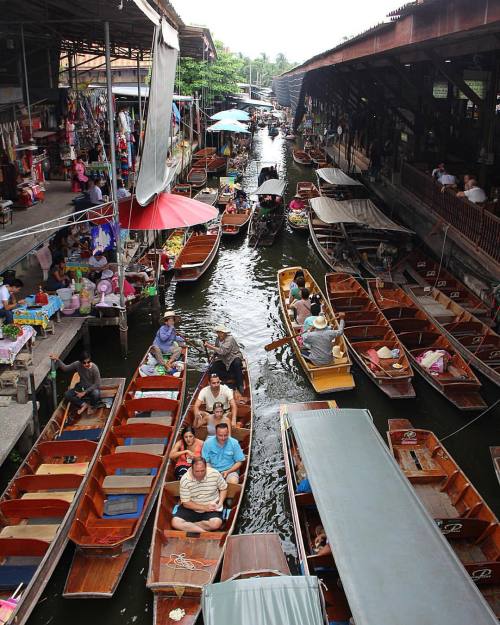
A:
[427,271]
[175,243]
[226,193]
[204,153]
[197,177]
[197,255]
[264,228]
[124,482]
[207,196]
[180,588]
[463,516]
[495,456]
[182,189]
[366,332]
[253,555]
[235,223]
[330,243]
[318,156]
[419,335]
[39,503]
[328,378]
[476,341]
[302,158]
[211,164]
[306,190]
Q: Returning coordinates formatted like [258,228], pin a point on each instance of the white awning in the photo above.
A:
[271,187]
[334,175]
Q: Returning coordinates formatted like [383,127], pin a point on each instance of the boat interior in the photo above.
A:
[307,190]
[331,241]
[197,250]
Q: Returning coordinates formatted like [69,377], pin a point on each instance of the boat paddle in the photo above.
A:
[275,344]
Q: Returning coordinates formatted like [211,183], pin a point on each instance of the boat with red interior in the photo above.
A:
[197,177]
[302,158]
[198,254]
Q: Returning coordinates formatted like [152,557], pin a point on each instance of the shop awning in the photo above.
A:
[334,175]
[362,212]
[394,564]
[228,125]
[264,600]
[237,114]
[271,187]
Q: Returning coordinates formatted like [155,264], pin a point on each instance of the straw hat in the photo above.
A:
[396,365]
[169,314]
[320,323]
[337,352]
[384,352]
[237,186]
[221,328]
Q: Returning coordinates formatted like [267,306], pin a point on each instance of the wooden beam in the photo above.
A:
[452,76]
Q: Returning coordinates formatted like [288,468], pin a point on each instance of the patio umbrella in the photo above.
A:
[236,114]
[229,125]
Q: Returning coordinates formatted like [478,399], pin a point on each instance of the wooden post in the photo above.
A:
[52,376]
[36,421]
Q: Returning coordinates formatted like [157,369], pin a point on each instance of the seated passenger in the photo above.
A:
[297,204]
[309,321]
[183,452]
[213,420]
[302,307]
[222,452]
[202,493]
[215,392]
[319,342]
[295,290]
[167,341]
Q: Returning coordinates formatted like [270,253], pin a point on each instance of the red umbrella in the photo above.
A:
[165,212]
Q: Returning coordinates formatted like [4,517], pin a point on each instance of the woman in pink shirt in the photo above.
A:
[302,307]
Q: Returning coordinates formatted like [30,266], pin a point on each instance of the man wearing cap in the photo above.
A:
[210,395]
[167,341]
[228,361]
[318,341]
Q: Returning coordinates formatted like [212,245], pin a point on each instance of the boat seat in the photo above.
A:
[78,468]
[45,533]
[65,495]
[126,506]
[148,448]
[127,484]
[156,420]
[11,576]
[92,434]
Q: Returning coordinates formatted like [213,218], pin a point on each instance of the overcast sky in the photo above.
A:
[298,28]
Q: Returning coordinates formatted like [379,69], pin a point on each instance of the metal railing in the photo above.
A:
[475,222]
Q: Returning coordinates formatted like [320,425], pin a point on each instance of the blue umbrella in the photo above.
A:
[237,114]
[229,125]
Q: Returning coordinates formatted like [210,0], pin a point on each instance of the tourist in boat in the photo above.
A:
[212,420]
[309,321]
[298,274]
[296,287]
[214,393]
[85,394]
[230,208]
[8,300]
[167,342]
[302,307]
[223,453]
[203,491]
[318,342]
[228,360]
[297,203]
[183,452]
[58,278]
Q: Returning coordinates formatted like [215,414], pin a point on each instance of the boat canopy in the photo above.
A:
[353,211]
[335,175]
[269,600]
[394,564]
[271,187]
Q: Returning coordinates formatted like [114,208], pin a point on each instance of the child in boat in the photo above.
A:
[296,286]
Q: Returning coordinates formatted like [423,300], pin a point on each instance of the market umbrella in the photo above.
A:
[229,125]
[236,114]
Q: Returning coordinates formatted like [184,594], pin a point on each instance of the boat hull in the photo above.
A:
[186,274]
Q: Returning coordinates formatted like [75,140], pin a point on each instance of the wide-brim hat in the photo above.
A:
[384,352]
[169,314]
[298,196]
[221,328]
[237,186]
[337,352]
[320,323]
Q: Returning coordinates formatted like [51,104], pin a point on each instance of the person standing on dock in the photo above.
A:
[85,394]
[228,361]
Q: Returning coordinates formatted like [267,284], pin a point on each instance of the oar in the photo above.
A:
[275,344]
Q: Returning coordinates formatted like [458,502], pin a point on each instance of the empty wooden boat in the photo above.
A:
[306,190]
[330,242]
[212,164]
[366,332]
[324,379]
[197,255]
[207,196]
[302,158]
[460,512]
[475,340]
[267,218]
[182,189]
[318,156]
[176,587]
[429,350]
[253,555]
[125,481]
[204,153]
[495,456]
[235,223]
[39,503]
[197,177]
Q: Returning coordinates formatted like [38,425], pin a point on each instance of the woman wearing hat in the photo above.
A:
[318,343]
[167,341]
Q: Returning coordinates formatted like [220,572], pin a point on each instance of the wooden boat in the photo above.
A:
[197,255]
[124,483]
[207,196]
[182,189]
[39,503]
[330,243]
[197,177]
[427,271]
[234,223]
[226,193]
[212,164]
[266,223]
[204,153]
[175,587]
[419,334]
[366,331]
[476,341]
[307,190]
[175,243]
[464,518]
[253,555]
[302,158]
[325,379]
[318,156]
[495,456]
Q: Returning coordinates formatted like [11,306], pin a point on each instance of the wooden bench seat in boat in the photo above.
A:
[77,468]
[127,484]
[45,533]
[156,420]
[62,495]
[148,448]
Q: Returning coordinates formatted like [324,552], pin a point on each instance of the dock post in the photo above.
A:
[52,376]
[36,421]
[123,326]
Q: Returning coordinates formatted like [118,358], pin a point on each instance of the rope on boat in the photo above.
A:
[471,421]
[178,561]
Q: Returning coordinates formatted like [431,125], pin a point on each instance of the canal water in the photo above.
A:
[239,289]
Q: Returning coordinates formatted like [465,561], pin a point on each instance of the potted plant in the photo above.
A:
[11,332]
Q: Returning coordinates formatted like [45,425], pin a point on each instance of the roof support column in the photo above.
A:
[140,100]
[26,83]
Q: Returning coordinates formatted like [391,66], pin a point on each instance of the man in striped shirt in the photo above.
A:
[202,492]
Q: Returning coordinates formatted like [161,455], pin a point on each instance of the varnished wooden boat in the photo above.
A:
[197,177]
[476,341]
[212,164]
[204,153]
[495,456]
[226,194]
[328,378]
[197,255]
[419,334]
[253,555]
[307,190]
[207,196]
[39,503]
[366,331]
[176,587]
[235,223]
[330,243]
[427,271]
[182,189]
[124,483]
[175,243]
[302,158]
[463,516]
[317,156]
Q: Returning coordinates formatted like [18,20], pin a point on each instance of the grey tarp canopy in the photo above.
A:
[264,601]
[271,187]
[394,564]
[334,175]
[353,211]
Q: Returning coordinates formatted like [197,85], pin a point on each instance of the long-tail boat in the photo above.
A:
[204,153]
[326,378]
[495,457]
[182,189]
[460,512]
[197,177]
[125,481]
[430,351]
[302,158]
[366,332]
[475,340]
[330,242]
[197,255]
[174,586]
[266,224]
[207,196]
[39,503]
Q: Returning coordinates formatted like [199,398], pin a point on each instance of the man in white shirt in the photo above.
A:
[97,264]
[473,193]
[8,300]
[95,193]
[438,172]
[215,392]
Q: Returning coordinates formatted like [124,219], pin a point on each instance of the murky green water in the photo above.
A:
[239,289]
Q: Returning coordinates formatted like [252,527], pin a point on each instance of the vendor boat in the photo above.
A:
[175,243]
[267,222]
[182,189]
[176,587]
[327,378]
[462,515]
[302,158]
[367,333]
[197,255]
[297,220]
[125,480]
[429,350]
[235,223]
[204,153]
[197,177]
[207,196]
[39,503]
